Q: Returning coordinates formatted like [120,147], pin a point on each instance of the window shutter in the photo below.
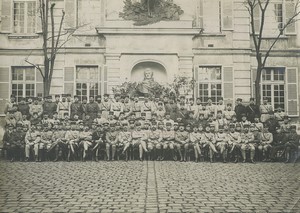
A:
[196,81]
[38,18]
[100,83]
[292,91]
[105,78]
[103,12]
[228,84]
[4,87]
[227,14]
[69,74]
[70,10]
[199,13]
[6,16]
[289,12]
[256,15]
[254,73]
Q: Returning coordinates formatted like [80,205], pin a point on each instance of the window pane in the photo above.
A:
[30,74]
[203,74]
[31,17]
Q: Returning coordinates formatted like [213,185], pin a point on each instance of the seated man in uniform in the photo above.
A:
[195,139]
[168,140]
[72,137]
[154,141]
[210,140]
[125,138]
[111,142]
[266,140]
[234,138]
[139,139]
[221,142]
[248,143]
[292,142]
[182,140]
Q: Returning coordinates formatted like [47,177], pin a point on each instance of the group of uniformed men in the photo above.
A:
[69,128]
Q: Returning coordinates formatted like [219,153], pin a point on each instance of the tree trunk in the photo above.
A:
[257,84]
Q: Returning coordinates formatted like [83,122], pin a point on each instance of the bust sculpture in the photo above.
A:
[147,86]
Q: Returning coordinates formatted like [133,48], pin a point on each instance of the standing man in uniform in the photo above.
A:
[76,108]
[92,108]
[264,109]
[239,109]
[252,110]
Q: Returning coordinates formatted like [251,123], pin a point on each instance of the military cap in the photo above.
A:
[252,99]
[246,125]
[219,111]
[265,98]
[98,124]
[256,116]
[63,95]
[160,123]
[238,125]
[221,98]
[243,115]
[38,134]
[84,98]
[106,123]
[143,114]
[239,99]
[112,124]
[131,121]
[91,96]
[48,97]
[252,125]
[153,123]
[80,122]
[181,124]
[293,127]
[198,98]
[39,124]
[46,125]
[168,124]
[176,124]
[285,117]
[182,96]
[22,98]
[229,104]
[124,123]
[76,96]
[98,97]
[68,95]
[211,125]
[137,123]
[106,95]
[232,125]
[221,127]
[57,96]
[271,112]
[111,113]
[233,116]
[19,124]
[160,103]
[12,96]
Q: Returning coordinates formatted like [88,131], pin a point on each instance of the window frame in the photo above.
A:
[24,82]
[209,82]
[272,82]
[100,80]
[26,2]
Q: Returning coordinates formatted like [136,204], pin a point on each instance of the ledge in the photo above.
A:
[23,36]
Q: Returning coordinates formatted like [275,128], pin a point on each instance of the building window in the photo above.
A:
[24,82]
[87,81]
[273,86]
[209,83]
[279,16]
[24,16]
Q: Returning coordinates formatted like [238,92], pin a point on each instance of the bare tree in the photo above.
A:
[262,54]
[53,41]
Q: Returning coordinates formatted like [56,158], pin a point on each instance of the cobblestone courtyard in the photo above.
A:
[148,187]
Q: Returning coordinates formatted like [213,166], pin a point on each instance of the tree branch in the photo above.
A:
[36,66]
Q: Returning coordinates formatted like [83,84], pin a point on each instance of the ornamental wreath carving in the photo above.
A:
[144,12]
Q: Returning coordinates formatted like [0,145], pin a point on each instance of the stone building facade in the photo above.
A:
[211,43]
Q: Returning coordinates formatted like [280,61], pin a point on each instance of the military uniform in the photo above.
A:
[252,110]
[239,109]
[196,140]
[32,140]
[139,139]
[291,142]
[92,109]
[234,141]
[111,139]
[36,108]
[266,140]
[49,107]
[182,140]
[86,141]
[46,142]
[147,108]
[210,140]
[222,142]
[247,143]
[264,109]
[63,107]
[136,108]
[72,137]
[76,108]
[117,106]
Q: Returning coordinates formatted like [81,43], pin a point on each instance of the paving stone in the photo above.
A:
[170,186]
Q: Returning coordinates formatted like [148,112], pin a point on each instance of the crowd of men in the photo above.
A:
[159,128]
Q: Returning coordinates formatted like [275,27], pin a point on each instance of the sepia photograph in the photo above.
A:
[133,106]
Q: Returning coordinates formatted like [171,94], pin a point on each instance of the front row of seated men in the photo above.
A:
[157,140]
